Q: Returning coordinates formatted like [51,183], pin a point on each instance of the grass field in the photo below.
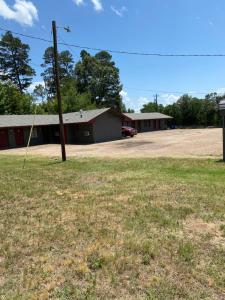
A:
[115,229]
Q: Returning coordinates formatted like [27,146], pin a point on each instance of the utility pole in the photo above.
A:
[57,81]
[221,107]
[223,138]
[156,101]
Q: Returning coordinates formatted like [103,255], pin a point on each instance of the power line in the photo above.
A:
[31,62]
[63,43]
[71,49]
[114,51]
[174,92]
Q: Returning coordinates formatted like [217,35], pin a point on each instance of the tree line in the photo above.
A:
[93,82]
[190,111]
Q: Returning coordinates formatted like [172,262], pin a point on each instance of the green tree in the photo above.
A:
[98,76]
[184,104]
[65,69]
[152,107]
[39,93]
[13,102]
[14,62]
[71,100]
[190,111]
[130,111]
[173,111]
[210,112]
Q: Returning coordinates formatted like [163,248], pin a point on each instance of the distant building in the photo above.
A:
[144,122]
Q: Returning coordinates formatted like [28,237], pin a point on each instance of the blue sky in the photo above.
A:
[172,26]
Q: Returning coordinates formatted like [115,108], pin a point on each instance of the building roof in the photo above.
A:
[146,116]
[42,120]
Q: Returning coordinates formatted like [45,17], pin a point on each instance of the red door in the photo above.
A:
[19,136]
[4,143]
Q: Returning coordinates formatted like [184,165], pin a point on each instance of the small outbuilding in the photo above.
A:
[144,122]
[83,127]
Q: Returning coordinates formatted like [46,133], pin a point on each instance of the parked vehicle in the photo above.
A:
[128,131]
[135,131]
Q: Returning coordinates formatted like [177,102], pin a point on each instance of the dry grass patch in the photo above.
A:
[113,229]
[214,231]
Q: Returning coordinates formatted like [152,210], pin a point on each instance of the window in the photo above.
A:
[146,123]
[34,134]
[87,133]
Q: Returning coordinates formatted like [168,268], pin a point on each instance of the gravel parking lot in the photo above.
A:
[169,143]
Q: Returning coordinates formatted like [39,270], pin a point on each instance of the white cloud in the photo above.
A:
[126,99]
[136,104]
[119,12]
[168,98]
[23,12]
[96,3]
[78,2]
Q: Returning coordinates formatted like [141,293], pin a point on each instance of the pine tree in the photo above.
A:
[14,62]
[98,76]
[65,69]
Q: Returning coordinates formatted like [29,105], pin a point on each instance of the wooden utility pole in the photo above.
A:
[57,82]
[156,101]
[223,137]
[221,106]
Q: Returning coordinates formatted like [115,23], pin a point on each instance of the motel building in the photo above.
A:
[144,122]
[83,127]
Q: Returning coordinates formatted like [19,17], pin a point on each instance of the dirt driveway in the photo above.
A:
[169,143]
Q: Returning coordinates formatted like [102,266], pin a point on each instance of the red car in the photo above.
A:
[128,131]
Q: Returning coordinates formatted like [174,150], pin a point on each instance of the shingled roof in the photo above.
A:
[42,120]
[146,116]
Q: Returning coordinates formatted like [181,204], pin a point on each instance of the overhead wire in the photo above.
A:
[115,51]
[173,92]
[71,49]
[70,46]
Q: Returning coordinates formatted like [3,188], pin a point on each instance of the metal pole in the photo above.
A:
[57,81]
[224,138]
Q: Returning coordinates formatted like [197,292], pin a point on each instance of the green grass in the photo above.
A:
[112,229]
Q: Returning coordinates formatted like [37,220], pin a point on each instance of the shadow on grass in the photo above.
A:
[220,161]
[41,163]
